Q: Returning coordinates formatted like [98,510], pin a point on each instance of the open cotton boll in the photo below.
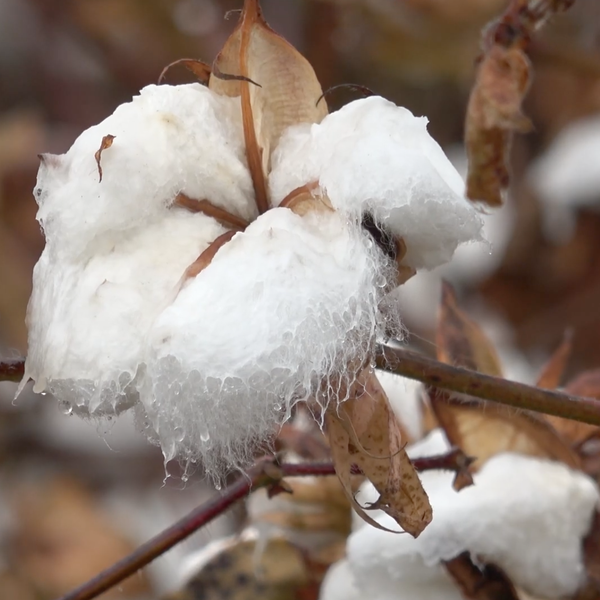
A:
[282,307]
[566,176]
[526,515]
[375,157]
[88,319]
[169,139]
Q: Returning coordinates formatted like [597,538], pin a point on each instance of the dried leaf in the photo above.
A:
[587,385]
[486,583]
[200,69]
[107,142]
[483,429]
[363,431]
[460,341]
[284,93]
[553,370]
[493,114]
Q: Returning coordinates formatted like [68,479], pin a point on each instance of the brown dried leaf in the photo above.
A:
[483,429]
[486,583]
[107,142]
[363,431]
[460,341]
[553,370]
[284,89]
[200,69]
[587,385]
[493,114]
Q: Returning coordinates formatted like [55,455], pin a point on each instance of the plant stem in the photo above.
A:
[265,473]
[456,379]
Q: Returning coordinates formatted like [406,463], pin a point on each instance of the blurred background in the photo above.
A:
[76,496]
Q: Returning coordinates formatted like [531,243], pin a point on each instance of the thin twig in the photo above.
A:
[264,474]
[456,379]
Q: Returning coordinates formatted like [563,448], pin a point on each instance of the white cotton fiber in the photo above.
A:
[169,139]
[88,319]
[526,515]
[375,157]
[281,308]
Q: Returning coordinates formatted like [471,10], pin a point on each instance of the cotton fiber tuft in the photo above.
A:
[375,157]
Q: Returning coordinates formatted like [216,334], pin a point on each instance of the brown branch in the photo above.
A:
[432,372]
[265,473]
[510,393]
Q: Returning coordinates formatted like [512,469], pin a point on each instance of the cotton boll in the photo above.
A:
[374,157]
[169,139]
[566,176]
[88,319]
[526,515]
[283,307]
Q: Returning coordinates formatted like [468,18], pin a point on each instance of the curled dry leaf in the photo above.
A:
[200,69]
[107,142]
[553,370]
[493,114]
[587,385]
[277,85]
[485,582]
[502,80]
[460,341]
[363,431]
[484,429]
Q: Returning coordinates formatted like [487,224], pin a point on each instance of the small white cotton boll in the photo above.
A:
[526,515]
[281,308]
[88,320]
[567,177]
[375,157]
[169,139]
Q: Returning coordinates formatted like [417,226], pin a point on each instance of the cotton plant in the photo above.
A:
[217,252]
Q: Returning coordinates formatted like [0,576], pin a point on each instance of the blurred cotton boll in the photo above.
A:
[526,515]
